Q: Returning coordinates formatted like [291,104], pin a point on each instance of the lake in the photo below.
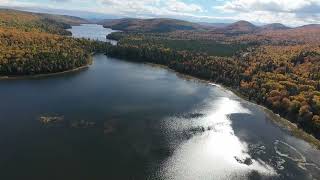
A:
[93,32]
[124,120]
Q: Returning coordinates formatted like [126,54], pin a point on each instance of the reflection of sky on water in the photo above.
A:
[214,153]
[92,31]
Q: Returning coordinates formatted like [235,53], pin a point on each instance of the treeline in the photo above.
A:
[284,78]
[25,53]
[218,69]
[209,47]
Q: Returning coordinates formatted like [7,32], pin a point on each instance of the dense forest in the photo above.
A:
[36,44]
[192,45]
[26,53]
[149,25]
[280,72]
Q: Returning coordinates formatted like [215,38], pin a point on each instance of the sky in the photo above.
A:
[289,12]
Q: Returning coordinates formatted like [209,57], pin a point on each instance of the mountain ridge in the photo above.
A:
[149,25]
[169,25]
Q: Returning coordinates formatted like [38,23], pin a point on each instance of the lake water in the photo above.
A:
[93,32]
[123,120]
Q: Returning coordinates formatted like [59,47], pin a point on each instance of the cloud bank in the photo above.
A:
[293,12]
[290,12]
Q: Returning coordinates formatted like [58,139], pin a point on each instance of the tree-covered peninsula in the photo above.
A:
[32,43]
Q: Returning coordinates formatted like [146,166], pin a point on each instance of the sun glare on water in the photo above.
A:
[216,153]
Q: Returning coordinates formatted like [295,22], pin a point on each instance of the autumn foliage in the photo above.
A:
[277,70]
[34,43]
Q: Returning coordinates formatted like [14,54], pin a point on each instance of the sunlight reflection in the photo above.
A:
[216,153]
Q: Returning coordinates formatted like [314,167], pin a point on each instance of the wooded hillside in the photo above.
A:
[32,43]
[149,25]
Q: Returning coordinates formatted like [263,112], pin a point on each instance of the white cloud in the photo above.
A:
[149,7]
[178,6]
[270,5]
[4,1]
[292,12]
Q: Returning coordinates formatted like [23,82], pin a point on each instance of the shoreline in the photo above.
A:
[45,75]
[281,122]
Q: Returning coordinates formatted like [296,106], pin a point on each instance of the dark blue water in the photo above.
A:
[123,120]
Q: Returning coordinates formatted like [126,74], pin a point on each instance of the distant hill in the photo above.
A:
[71,20]
[240,27]
[149,25]
[309,26]
[214,25]
[245,27]
[169,25]
[28,21]
[273,26]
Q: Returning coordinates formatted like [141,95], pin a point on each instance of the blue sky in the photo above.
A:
[289,12]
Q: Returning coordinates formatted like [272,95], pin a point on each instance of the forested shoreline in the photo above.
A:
[284,78]
[32,44]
